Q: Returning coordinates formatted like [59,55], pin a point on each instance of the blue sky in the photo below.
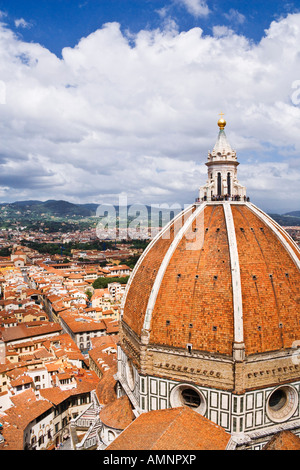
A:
[106,98]
[59,23]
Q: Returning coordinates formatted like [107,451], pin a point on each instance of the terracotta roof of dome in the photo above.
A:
[118,414]
[284,440]
[239,283]
[142,280]
[171,429]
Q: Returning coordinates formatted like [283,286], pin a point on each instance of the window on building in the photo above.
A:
[277,400]
[282,403]
[191,398]
[219,184]
[228,184]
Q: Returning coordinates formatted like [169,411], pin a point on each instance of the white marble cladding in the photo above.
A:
[243,416]
[155,394]
[235,413]
[130,386]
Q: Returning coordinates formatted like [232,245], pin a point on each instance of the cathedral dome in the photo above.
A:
[211,314]
[218,286]
[229,275]
[222,274]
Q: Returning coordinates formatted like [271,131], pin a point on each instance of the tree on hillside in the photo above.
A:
[102,282]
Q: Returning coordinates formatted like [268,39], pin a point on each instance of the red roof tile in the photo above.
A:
[118,414]
[284,440]
[171,429]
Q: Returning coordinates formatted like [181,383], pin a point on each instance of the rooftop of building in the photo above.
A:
[284,440]
[118,414]
[27,330]
[171,429]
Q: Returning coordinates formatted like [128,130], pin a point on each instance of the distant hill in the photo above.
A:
[293,214]
[57,208]
[64,209]
[50,208]
[289,219]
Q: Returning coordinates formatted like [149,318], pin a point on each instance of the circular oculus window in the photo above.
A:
[282,403]
[188,395]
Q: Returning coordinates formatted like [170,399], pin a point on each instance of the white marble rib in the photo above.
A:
[235,275]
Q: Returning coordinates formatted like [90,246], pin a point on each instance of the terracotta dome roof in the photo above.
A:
[284,440]
[239,283]
[171,429]
[118,414]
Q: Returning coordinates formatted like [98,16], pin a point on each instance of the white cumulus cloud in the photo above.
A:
[21,23]
[197,8]
[235,16]
[137,114]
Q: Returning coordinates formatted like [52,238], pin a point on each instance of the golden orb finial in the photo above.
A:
[221,122]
